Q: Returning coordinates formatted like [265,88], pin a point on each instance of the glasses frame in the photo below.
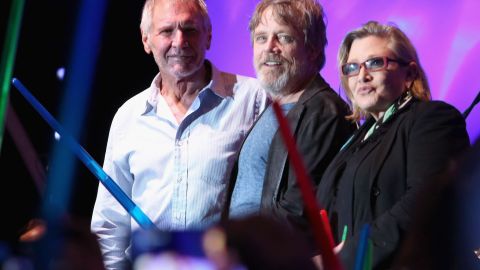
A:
[386,60]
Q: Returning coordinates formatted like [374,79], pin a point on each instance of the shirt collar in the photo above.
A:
[217,86]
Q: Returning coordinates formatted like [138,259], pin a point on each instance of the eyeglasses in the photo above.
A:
[372,64]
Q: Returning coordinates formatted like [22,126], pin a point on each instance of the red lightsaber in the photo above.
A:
[322,239]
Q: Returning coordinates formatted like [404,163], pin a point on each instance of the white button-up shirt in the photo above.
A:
[176,173]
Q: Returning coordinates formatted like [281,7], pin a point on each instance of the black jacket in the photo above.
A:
[377,181]
[318,124]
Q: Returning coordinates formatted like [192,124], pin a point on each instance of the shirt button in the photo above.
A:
[179,180]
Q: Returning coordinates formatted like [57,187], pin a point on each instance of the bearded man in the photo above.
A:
[289,39]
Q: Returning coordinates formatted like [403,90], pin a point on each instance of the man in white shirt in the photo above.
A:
[171,148]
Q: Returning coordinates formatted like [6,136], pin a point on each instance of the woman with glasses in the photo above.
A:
[405,141]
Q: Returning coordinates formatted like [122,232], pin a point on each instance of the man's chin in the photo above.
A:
[271,87]
[183,73]
[273,84]
[268,79]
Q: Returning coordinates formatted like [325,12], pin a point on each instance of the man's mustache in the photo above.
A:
[179,53]
[272,58]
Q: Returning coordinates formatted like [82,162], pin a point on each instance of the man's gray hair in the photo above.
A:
[147,13]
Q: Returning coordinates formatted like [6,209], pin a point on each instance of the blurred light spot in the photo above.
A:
[57,136]
[214,241]
[61,73]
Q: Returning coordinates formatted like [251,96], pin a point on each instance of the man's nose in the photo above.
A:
[180,39]
[272,45]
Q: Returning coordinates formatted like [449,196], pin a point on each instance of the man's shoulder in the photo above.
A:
[319,91]
[326,96]
[232,78]
[238,85]
[136,103]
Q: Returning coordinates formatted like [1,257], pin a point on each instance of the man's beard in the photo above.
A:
[275,83]
[275,86]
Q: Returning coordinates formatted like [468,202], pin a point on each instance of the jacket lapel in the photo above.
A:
[387,132]
[294,117]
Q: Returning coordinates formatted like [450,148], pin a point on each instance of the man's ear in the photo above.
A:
[314,54]
[209,40]
[146,46]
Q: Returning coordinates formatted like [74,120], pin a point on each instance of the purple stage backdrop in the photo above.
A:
[445,33]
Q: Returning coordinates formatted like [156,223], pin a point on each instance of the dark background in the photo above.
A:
[45,45]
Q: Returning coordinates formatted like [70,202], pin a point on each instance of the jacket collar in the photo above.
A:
[317,84]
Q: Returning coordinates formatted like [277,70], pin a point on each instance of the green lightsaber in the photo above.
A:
[8,57]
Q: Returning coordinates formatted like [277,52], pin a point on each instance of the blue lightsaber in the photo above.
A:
[91,164]
[362,249]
